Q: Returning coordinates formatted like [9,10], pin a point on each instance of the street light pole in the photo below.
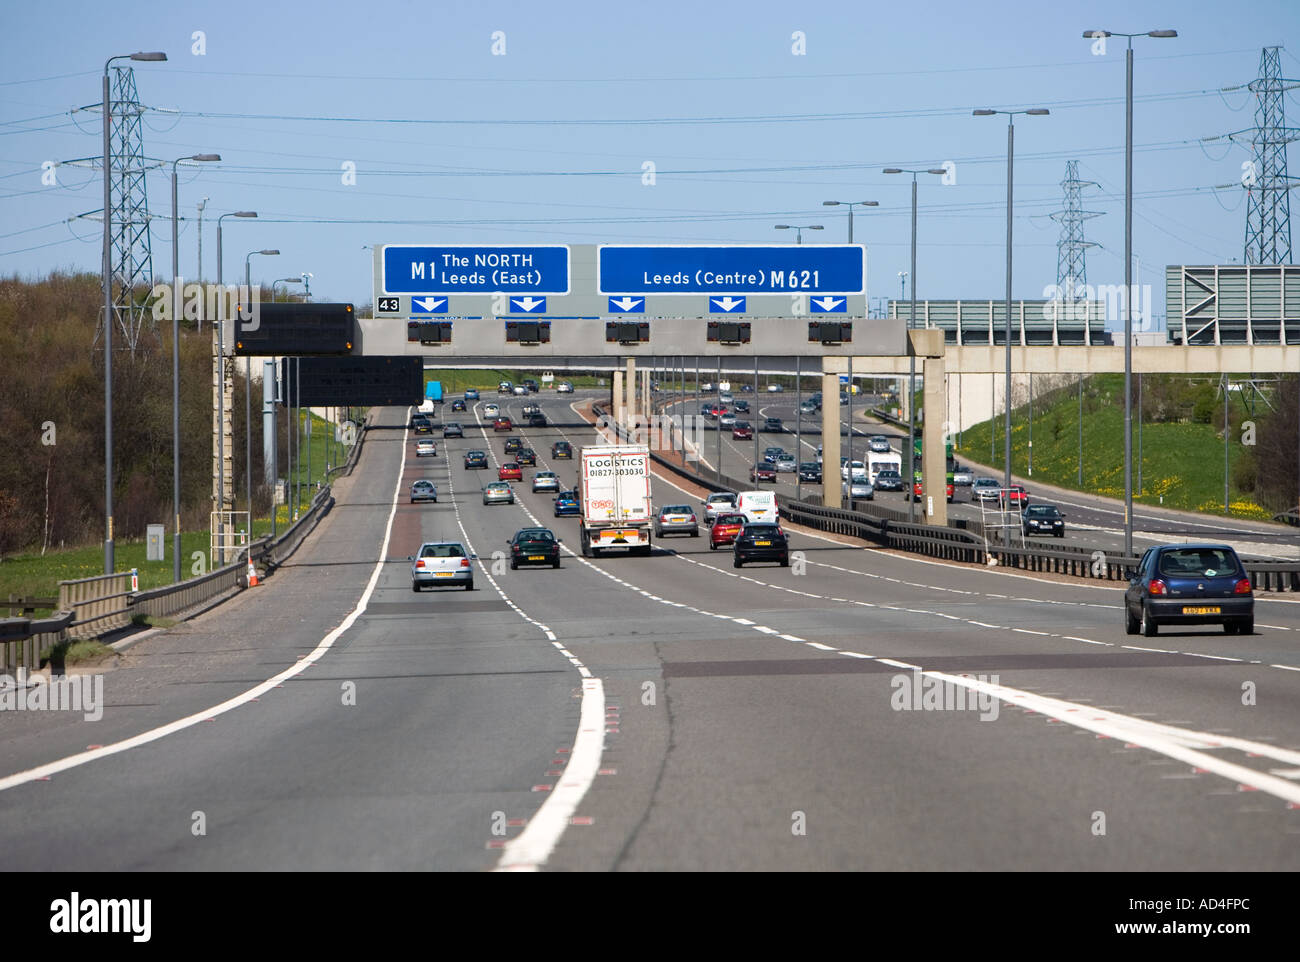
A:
[1128,267]
[798,236]
[221,395]
[1011,166]
[176,368]
[248,287]
[911,354]
[851,204]
[107,269]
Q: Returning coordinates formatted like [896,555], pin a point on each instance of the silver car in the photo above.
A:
[442,563]
[425,449]
[546,481]
[424,491]
[860,490]
[677,519]
[498,492]
[786,462]
[879,444]
[727,420]
[721,502]
[564,387]
[962,476]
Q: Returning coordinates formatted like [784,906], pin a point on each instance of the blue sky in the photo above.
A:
[547,142]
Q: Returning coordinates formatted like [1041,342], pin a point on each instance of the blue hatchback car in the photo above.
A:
[1189,584]
[566,503]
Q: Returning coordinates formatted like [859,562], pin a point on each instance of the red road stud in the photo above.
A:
[542,788]
[1247,788]
[607,771]
[91,748]
[496,843]
[516,822]
[563,751]
[556,771]
[582,820]
[1200,771]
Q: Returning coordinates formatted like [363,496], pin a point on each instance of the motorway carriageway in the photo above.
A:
[668,712]
[1091,521]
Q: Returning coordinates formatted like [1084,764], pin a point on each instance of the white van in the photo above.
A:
[877,462]
[758,506]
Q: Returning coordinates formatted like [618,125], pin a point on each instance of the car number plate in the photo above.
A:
[537,557]
[763,544]
[1202,610]
[444,574]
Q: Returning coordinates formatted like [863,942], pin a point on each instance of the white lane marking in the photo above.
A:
[326,643]
[1200,654]
[819,645]
[1167,739]
[996,572]
[1182,744]
[534,845]
[529,850]
[1287,667]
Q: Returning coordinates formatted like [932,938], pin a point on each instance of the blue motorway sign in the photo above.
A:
[727,305]
[828,305]
[528,305]
[429,305]
[470,269]
[627,305]
[734,269]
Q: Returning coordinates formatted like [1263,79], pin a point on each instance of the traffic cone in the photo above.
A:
[252,574]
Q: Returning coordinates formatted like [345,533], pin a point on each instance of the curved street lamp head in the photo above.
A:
[937,170]
[155,55]
[1038,112]
[1162,33]
[1095,34]
[830,203]
[984,112]
[814,227]
[782,226]
[244,213]
[895,170]
[266,252]
[869,203]
[206,158]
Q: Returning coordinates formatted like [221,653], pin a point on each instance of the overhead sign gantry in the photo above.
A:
[624,298]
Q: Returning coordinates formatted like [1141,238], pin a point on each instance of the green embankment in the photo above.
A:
[1181,461]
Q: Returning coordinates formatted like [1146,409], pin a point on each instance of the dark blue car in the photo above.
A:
[566,503]
[1189,584]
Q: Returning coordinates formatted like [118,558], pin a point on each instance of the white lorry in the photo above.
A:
[614,493]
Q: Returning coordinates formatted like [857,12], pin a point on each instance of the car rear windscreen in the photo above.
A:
[1198,563]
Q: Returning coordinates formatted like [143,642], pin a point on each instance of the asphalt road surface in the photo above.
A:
[1091,521]
[860,709]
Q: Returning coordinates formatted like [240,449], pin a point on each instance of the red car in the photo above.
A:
[741,431]
[725,529]
[916,489]
[1017,496]
[510,472]
[502,424]
[762,472]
